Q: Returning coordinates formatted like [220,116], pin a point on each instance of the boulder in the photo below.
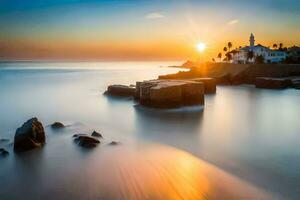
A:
[113,143]
[96,134]
[77,135]
[121,90]
[29,136]
[170,93]
[56,125]
[86,141]
[271,83]
[210,84]
[3,152]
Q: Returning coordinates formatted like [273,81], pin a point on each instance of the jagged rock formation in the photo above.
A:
[96,134]
[29,136]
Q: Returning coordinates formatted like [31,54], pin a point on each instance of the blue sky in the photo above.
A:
[114,24]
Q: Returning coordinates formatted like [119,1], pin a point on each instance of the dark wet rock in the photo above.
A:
[271,83]
[29,136]
[86,141]
[57,125]
[3,152]
[113,143]
[120,90]
[96,134]
[79,134]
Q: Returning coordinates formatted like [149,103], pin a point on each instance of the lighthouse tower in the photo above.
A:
[252,40]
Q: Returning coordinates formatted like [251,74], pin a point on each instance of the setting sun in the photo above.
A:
[201,47]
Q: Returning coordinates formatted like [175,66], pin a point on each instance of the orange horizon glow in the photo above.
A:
[97,32]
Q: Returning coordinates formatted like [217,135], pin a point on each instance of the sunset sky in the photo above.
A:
[140,30]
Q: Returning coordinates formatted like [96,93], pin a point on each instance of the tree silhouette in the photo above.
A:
[220,56]
[229,45]
[225,49]
[228,56]
[280,46]
[275,46]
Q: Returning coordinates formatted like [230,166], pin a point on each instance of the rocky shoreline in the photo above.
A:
[261,75]
[32,135]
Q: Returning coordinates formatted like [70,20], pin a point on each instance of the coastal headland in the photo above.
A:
[235,74]
[189,87]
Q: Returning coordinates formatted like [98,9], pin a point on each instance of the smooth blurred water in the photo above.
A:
[250,135]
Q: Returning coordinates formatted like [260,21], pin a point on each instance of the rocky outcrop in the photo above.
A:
[96,134]
[29,136]
[57,125]
[120,90]
[210,84]
[86,141]
[170,93]
[3,152]
[271,83]
[235,74]
[113,143]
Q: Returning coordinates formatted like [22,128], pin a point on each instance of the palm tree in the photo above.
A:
[275,46]
[228,56]
[225,49]
[220,56]
[280,46]
[229,45]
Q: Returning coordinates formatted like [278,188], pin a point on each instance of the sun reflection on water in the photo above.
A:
[160,172]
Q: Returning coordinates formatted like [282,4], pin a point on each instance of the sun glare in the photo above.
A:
[201,47]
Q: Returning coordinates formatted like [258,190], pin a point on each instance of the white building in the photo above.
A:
[241,55]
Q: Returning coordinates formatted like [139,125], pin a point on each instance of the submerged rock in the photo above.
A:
[29,136]
[96,134]
[57,125]
[86,141]
[79,134]
[120,90]
[3,152]
[113,143]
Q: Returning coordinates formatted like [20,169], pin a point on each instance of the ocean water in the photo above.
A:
[243,144]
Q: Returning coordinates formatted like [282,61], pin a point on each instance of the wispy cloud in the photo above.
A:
[154,15]
[233,22]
